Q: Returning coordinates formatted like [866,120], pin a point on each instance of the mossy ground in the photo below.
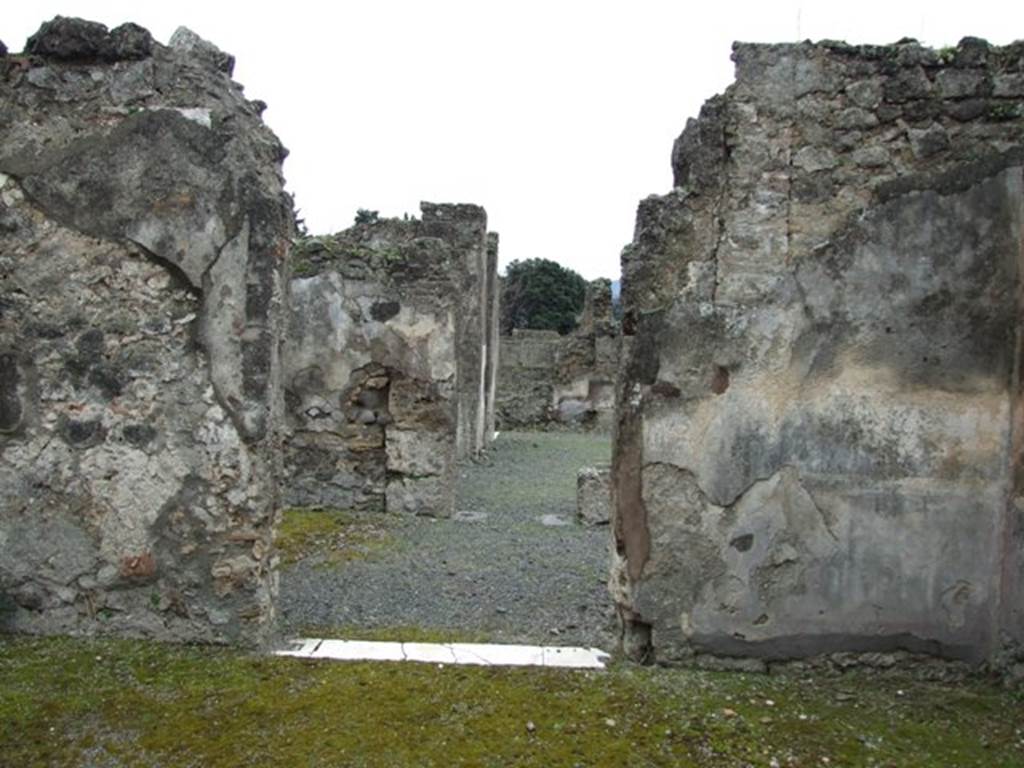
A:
[330,535]
[133,703]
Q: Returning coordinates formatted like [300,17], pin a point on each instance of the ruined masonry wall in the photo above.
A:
[373,363]
[143,231]
[547,378]
[818,443]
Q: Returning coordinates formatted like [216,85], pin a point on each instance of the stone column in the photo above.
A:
[467,225]
[493,337]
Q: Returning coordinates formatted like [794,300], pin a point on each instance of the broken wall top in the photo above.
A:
[421,255]
[822,130]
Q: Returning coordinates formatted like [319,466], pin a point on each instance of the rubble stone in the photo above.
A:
[77,40]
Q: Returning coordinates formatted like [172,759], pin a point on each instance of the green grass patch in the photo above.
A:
[407,634]
[134,703]
[331,535]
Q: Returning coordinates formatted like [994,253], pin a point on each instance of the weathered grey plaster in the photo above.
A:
[144,232]
[466,227]
[816,445]
[493,335]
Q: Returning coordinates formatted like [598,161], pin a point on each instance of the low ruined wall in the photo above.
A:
[143,230]
[372,364]
[818,440]
[546,378]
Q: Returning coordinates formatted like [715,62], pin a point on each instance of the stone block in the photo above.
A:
[593,495]
[427,496]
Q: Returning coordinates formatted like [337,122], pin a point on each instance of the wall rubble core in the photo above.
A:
[387,357]
[144,232]
[818,438]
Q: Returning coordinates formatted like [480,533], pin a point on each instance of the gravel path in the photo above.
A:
[513,566]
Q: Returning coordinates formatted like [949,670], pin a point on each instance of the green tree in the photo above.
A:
[541,294]
[365,216]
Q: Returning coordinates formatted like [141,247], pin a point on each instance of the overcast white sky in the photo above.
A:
[558,117]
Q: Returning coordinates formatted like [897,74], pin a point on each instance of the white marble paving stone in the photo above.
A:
[475,654]
[575,658]
[432,653]
[359,650]
[497,655]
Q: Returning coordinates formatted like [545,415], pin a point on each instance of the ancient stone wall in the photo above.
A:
[547,378]
[143,234]
[373,362]
[819,428]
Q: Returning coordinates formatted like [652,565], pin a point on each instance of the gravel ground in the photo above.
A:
[512,566]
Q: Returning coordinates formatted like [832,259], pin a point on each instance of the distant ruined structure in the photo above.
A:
[819,428]
[388,372]
[144,234]
[546,378]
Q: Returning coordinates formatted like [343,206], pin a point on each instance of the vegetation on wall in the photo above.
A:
[542,295]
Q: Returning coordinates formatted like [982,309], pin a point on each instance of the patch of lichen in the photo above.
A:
[108,702]
[332,536]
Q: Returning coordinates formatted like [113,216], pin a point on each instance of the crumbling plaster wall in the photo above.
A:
[818,436]
[374,362]
[547,378]
[143,233]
